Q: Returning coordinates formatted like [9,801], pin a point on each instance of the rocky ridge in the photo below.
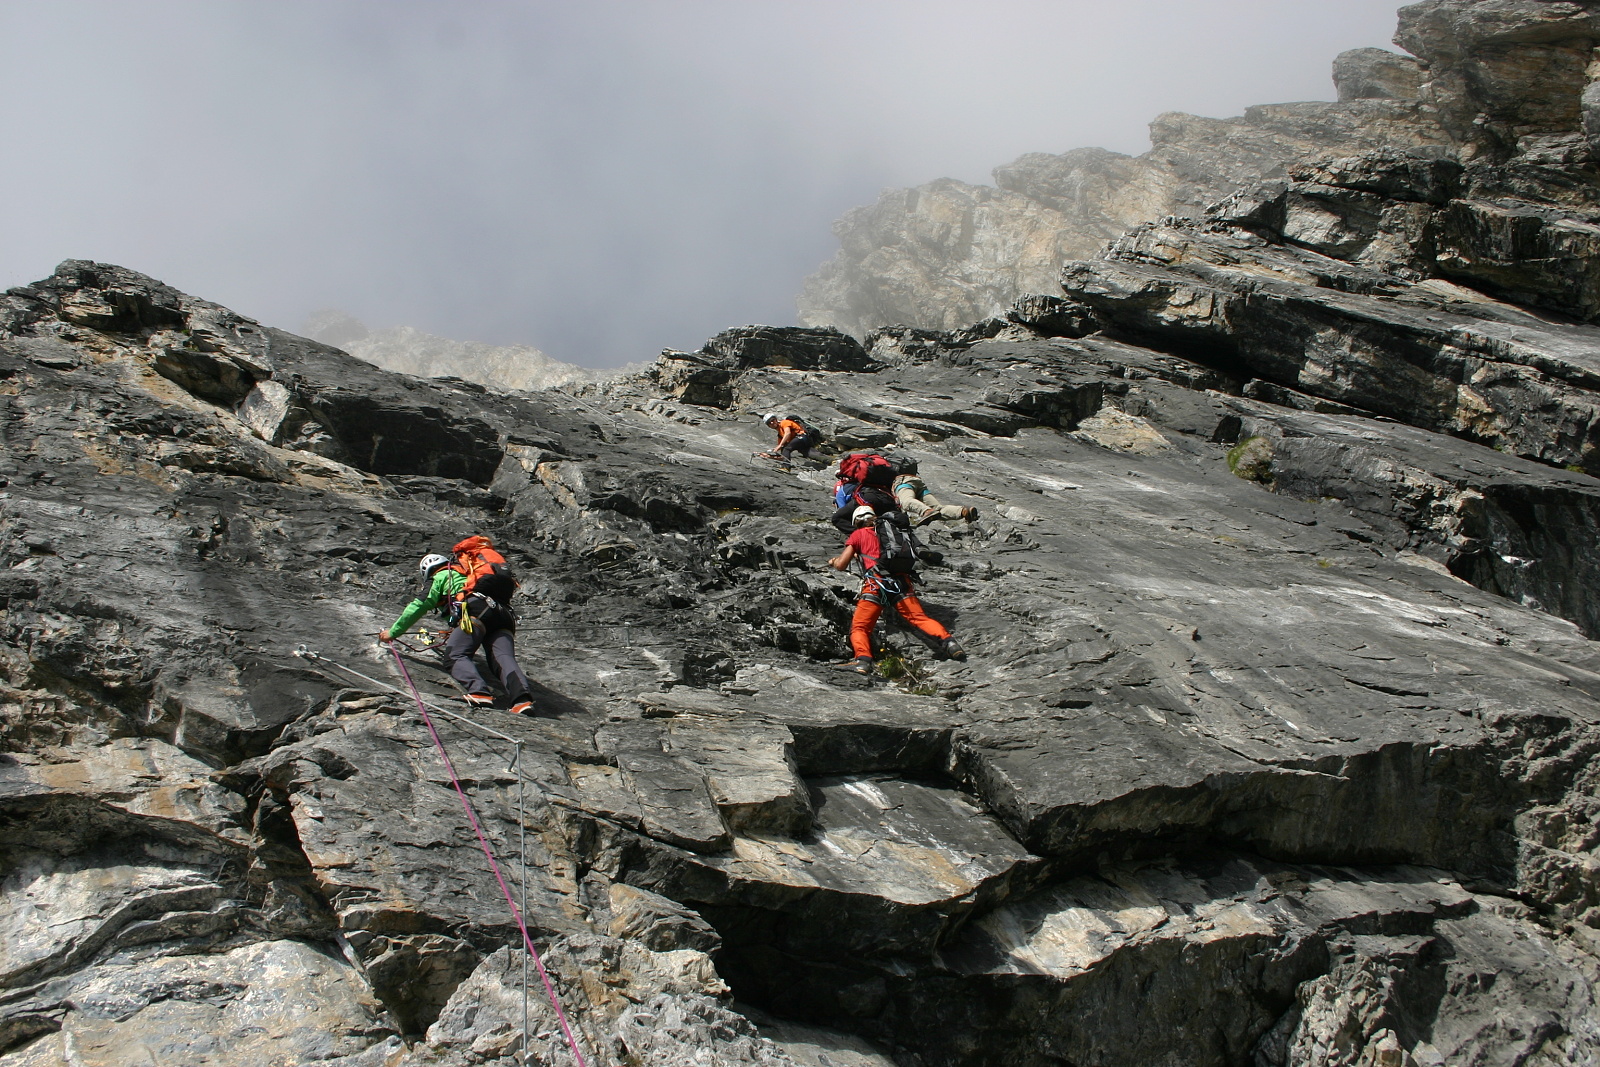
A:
[1504,84]
[409,350]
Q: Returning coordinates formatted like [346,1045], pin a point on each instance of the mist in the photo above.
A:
[597,180]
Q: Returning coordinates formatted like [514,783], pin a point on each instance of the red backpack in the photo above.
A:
[866,468]
[488,573]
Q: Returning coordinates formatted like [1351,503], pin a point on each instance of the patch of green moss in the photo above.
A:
[1251,459]
[892,665]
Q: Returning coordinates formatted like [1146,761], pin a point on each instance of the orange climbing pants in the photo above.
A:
[866,617]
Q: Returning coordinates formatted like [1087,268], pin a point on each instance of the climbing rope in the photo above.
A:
[494,864]
[545,791]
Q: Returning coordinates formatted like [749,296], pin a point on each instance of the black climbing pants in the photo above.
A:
[802,444]
[498,646]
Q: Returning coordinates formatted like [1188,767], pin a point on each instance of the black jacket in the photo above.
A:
[877,499]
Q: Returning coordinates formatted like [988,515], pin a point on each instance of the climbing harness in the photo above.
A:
[890,587]
[517,913]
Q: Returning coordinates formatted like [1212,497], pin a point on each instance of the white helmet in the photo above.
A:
[432,562]
[768,417]
[863,515]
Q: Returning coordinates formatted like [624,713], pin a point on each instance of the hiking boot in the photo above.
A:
[861,665]
[478,700]
[952,649]
[522,707]
[970,514]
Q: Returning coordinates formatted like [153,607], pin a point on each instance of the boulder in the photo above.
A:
[1376,74]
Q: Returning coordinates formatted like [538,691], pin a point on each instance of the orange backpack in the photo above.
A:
[488,573]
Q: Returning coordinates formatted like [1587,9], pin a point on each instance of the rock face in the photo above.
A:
[1276,744]
[1230,776]
[1493,82]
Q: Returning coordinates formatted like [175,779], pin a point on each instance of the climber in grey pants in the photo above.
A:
[921,506]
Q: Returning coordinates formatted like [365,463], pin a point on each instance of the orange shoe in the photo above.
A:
[478,700]
[522,707]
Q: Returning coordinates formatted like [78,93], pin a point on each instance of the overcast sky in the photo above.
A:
[599,179]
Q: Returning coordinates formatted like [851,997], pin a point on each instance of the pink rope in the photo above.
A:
[494,865]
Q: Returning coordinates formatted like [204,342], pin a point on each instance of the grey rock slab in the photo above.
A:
[658,923]
[892,861]
[274,1002]
[1470,366]
[1376,73]
[815,1046]
[1489,1012]
[900,264]
[146,782]
[1073,960]
[1518,528]
[604,988]
[948,253]
[665,1030]
[1492,83]
[58,913]
[1071,928]
[601,790]
[423,871]
[672,793]
[750,769]
[407,350]
[1501,72]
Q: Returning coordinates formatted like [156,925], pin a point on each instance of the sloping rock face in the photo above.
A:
[1456,295]
[1230,776]
[1501,82]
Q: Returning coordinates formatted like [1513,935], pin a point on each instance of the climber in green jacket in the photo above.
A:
[490,624]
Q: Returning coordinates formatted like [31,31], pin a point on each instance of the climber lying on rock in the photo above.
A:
[474,594]
[793,437]
[921,506]
[887,551]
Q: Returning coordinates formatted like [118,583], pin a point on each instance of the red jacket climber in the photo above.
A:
[875,589]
